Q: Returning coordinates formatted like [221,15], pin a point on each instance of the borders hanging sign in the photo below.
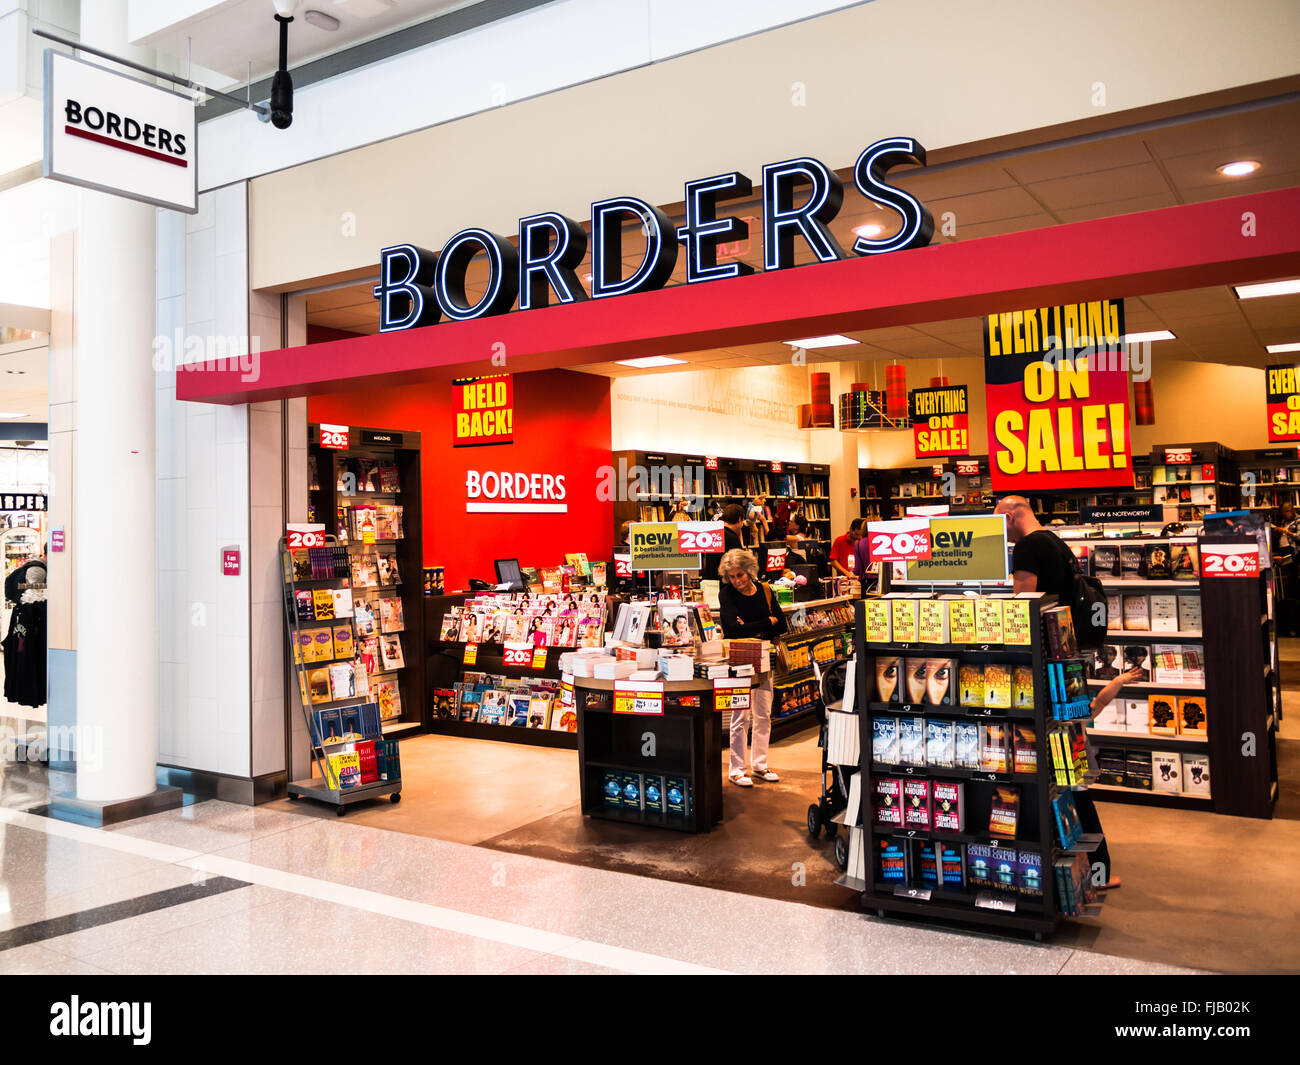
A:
[1056,384]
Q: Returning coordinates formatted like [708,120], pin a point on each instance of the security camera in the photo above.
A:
[282,83]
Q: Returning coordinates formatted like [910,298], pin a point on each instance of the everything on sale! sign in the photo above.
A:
[1057,389]
[940,422]
[1283,385]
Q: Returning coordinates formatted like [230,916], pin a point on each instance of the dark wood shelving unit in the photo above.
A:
[1038,915]
[688,745]
[402,448]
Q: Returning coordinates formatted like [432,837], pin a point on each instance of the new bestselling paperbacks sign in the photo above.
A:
[484,410]
[964,549]
[116,134]
[1283,397]
[1056,381]
[657,545]
[940,421]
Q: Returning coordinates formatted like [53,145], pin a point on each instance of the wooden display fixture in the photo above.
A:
[688,746]
[402,448]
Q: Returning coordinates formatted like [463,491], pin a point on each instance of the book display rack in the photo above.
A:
[352,758]
[367,495]
[1269,477]
[679,784]
[1207,646]
[959,812]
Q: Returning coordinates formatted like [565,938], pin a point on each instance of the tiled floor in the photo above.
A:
[317,894]
[333,896]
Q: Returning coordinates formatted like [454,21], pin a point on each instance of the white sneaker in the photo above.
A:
[742,781]
[764,774]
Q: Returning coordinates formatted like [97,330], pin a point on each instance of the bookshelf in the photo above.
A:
[1236,690]
[819,630]
[1269,477]
[353,760]
[889,865]
[341,479]
[445,667]
[885,495]
[656,480]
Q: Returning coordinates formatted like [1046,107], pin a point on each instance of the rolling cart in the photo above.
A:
[826,814]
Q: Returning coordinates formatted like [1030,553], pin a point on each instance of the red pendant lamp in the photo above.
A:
[938,382]
[820,413]
[1144,403]
[896,390]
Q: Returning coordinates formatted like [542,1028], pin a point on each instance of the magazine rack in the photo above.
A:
[380,763]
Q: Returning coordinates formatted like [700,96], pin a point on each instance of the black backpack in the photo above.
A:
[1087,602]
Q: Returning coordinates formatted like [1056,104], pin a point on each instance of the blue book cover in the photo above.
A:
[1003,861]
[677,796]
[371,726]
[893,861]
[1029,880]
[612,789]
[328,725]
[953,866]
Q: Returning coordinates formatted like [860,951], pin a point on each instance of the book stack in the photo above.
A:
[1069,755]
[756,653]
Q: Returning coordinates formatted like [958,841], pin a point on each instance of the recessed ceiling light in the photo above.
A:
[1155,334]
[7,415]
[321,20]
[16,371]
[832,341]
[1267,288]
[1278,349]
[1240,168]
[871,229]
[651,360]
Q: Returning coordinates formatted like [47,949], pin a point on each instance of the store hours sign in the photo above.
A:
[800,198]
[116,134]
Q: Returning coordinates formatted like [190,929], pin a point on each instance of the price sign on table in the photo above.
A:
[1229,560]
[638,697]
[906,540]
[731,693]
[622,565]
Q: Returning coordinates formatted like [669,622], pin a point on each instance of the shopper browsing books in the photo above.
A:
[1089,820]
[1040,560]
[750,612]
[842,553]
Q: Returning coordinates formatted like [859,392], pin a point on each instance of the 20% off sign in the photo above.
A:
[905,540]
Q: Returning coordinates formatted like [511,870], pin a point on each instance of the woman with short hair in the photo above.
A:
[749,612]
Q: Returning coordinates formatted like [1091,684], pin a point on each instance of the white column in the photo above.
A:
[116,615]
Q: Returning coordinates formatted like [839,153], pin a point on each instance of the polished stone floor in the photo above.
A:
[220,888]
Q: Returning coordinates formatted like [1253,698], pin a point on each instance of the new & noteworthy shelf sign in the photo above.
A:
[418,287]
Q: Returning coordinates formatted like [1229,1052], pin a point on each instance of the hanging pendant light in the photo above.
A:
[896,390]
[1144,403]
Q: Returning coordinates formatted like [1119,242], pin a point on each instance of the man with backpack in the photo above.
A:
[1042,562]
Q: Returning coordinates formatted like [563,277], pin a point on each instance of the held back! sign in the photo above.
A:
[1056,382]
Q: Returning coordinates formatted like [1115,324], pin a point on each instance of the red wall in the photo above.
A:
[561,426]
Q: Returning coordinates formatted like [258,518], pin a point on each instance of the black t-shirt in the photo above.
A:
[709,563]
[1046,556]
[754,610]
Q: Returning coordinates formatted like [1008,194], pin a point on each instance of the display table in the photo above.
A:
[686,741]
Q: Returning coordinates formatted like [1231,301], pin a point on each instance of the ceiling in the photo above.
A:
[24,381]
[227,36]
[1172,165]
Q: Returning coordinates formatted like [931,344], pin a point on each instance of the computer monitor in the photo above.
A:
[509,574]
